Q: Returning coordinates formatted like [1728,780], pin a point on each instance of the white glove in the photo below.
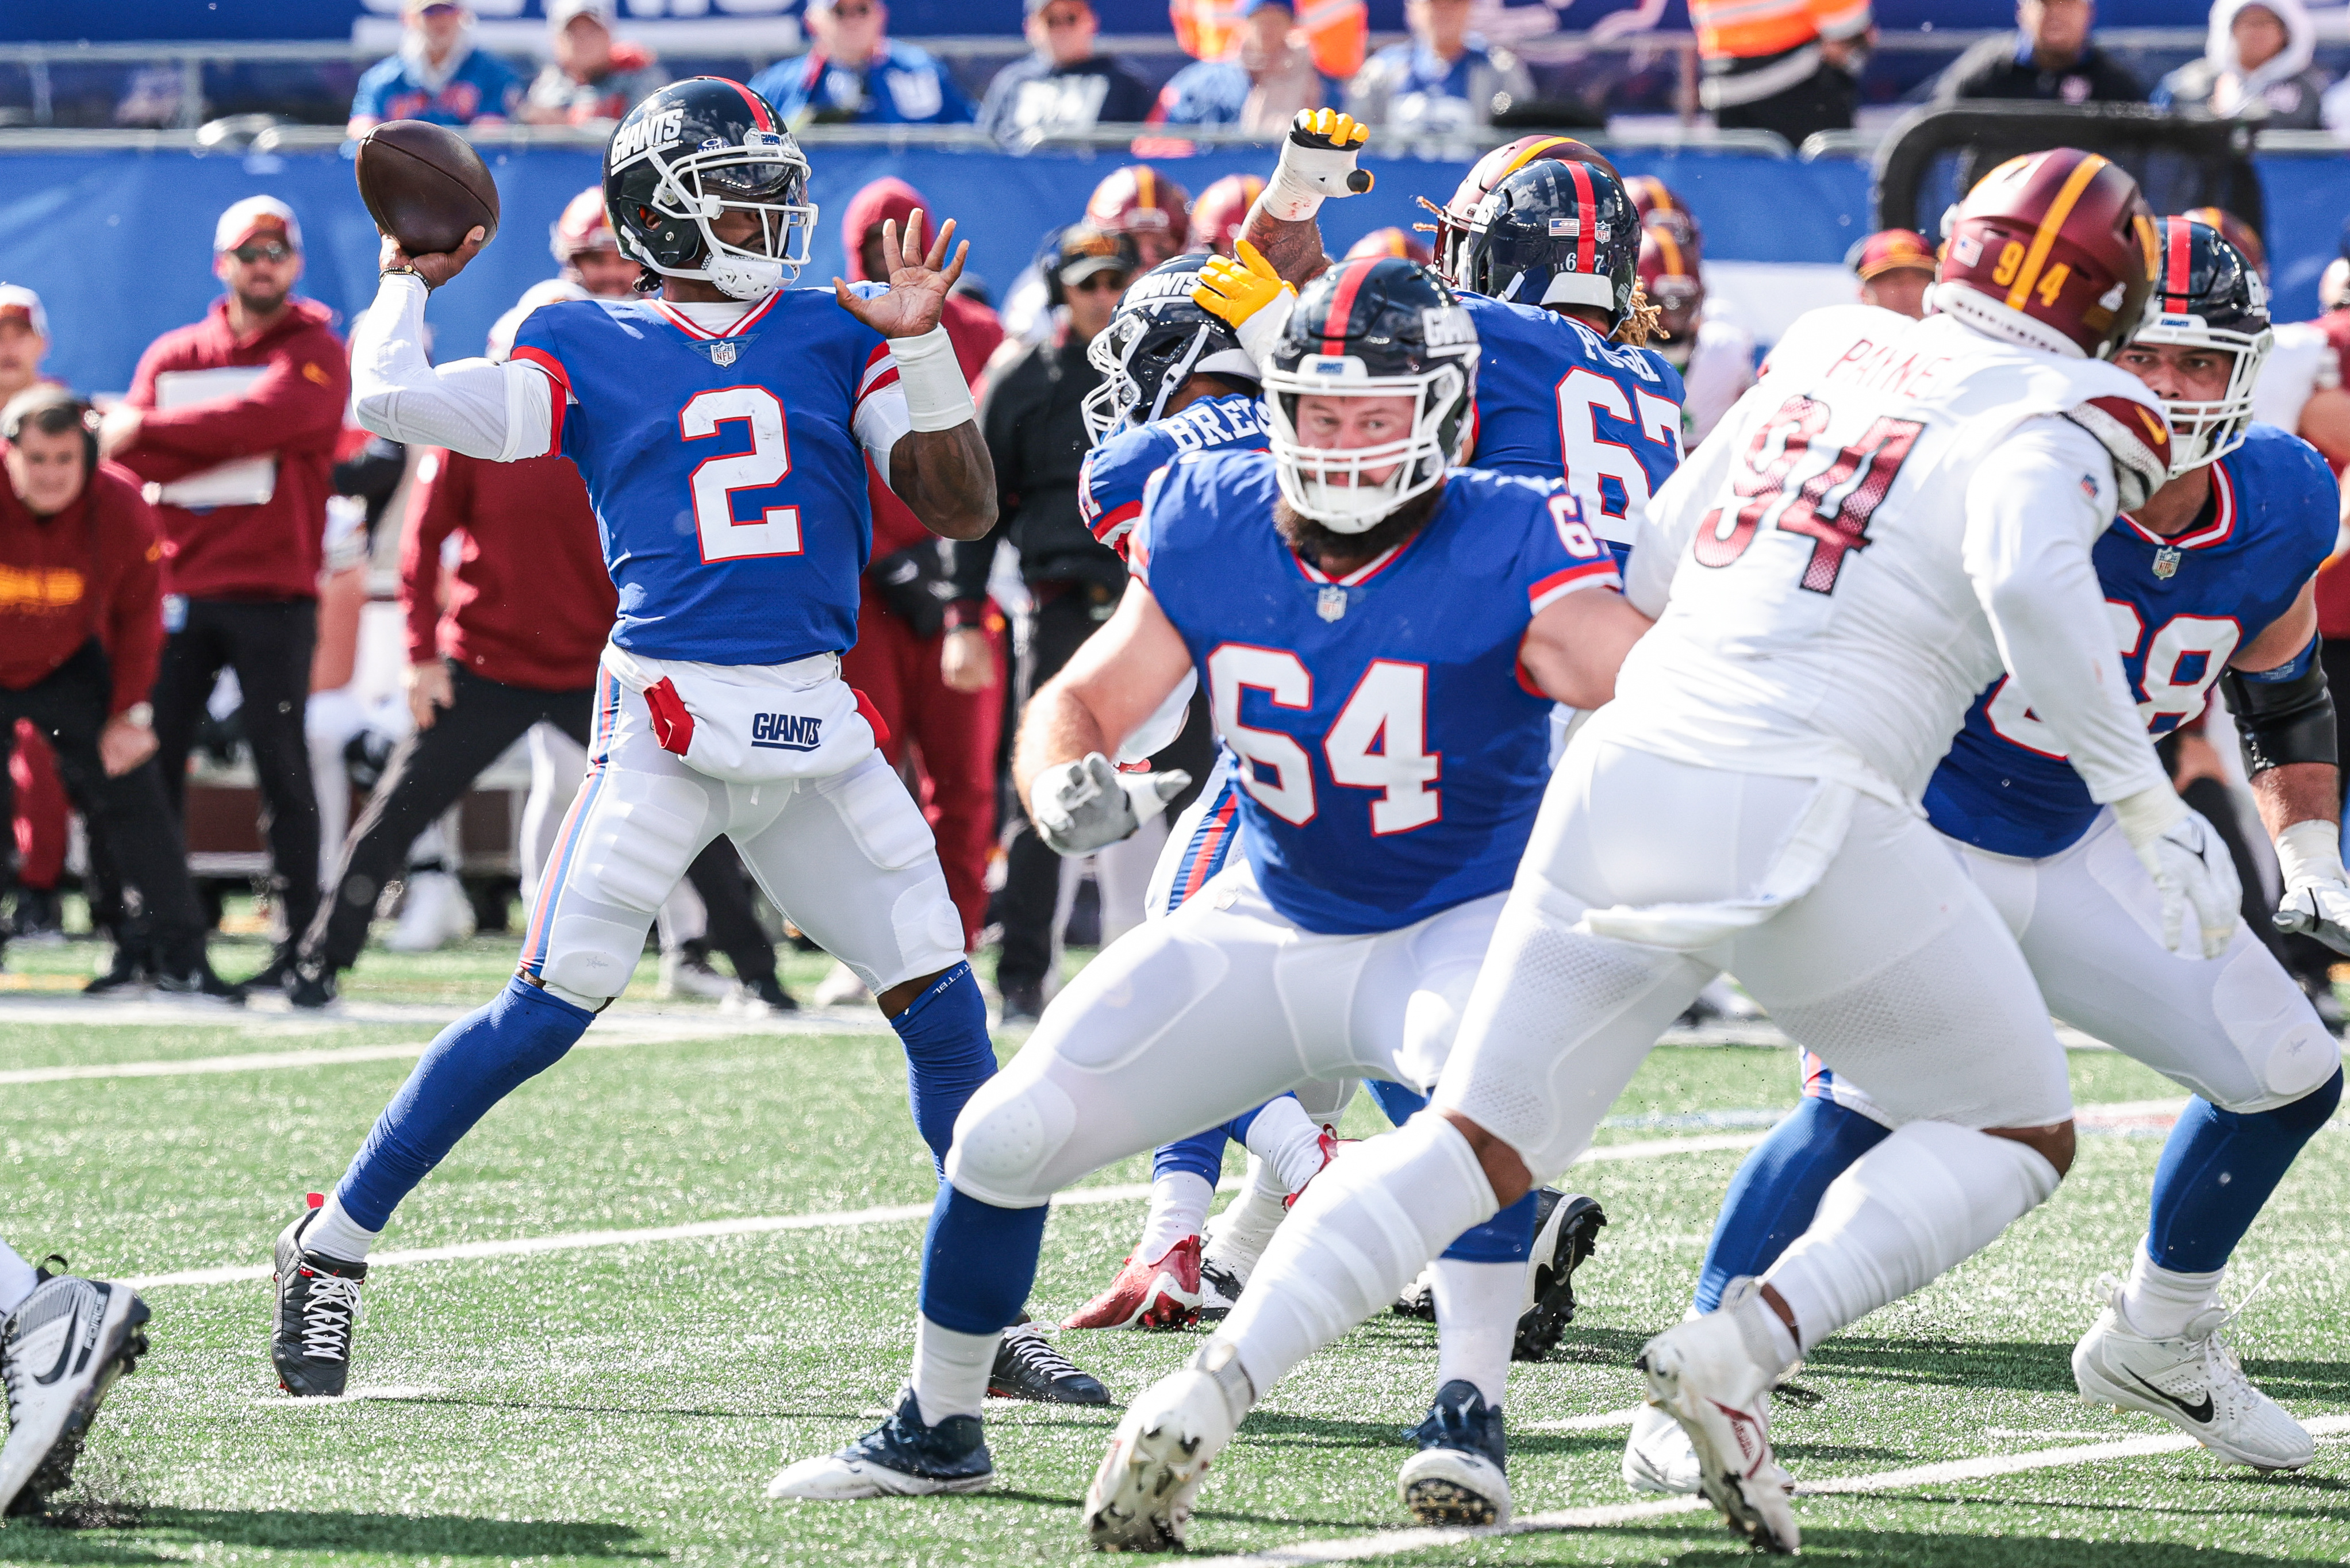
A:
[2316,902]
[1318,161]
[1078,807]
[2189,863]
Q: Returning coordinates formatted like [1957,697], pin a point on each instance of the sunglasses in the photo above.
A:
[1101,282]
[273,250]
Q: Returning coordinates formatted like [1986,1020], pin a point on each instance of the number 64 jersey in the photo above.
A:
[1894,511]
[1391,758]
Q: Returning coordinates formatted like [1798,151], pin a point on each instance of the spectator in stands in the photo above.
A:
[1444,82]
[30,794]
[1221,212]
[2255,66]
[438,75]
[82,618]
[1259,87]
[1792,66]
[237,416]
[1065,86]
[935,669]
[1895,267]
[2051,58]
[593,76]
[857,75]
[1036,433]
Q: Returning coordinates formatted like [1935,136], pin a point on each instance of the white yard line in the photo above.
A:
[1396,1542]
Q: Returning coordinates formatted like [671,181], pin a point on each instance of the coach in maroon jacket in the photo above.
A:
[80,624]
[242,577]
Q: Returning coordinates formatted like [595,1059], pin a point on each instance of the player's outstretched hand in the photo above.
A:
[919,281]
[1317,162]
[436,268]
[1081,806]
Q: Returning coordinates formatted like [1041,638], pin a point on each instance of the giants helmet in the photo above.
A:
[2208,296]
[1137,200]
[2053,249]
[1660,208]
[2237,233]
[584,226]
[1452,219]
[1375,328]
[1554,234]
[691,150]
[1670,277]
[1391,243]
[1221,212]
[1157,341]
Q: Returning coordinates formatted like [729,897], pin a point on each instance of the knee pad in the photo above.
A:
[881,816]
[2287,1048]
[1006,1141]
[637,849]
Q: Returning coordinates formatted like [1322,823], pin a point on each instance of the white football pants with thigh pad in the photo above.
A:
[1894,967]
[1190,1020]
[847,857]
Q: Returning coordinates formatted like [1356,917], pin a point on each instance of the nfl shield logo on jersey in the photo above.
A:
[2166,562]
[722,353]
[1332,603]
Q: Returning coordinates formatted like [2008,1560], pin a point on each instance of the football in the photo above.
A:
[425,186]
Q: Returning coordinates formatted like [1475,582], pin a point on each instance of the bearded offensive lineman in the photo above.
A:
[1380,640]
[1896,510]
[2209,582]
[723,430]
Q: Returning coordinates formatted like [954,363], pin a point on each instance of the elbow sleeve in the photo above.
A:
[2284,715]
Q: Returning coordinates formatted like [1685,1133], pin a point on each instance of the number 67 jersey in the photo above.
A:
[1391,758]
[1820,569]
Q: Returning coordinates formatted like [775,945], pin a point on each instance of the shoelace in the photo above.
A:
[1037,1353]
[327,1315]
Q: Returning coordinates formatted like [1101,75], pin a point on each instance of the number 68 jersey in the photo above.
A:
[1820,568]
[1390,757]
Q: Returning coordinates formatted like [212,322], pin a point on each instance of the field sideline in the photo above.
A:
[686,1257]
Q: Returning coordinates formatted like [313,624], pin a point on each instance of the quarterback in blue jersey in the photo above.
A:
[724,430]
[1380,640]
[2208,584]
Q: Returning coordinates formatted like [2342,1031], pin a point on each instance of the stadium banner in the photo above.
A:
[670,24]
[119,243]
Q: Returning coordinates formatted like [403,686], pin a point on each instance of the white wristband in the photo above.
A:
[936,397]
[2149,814]
[2311,852]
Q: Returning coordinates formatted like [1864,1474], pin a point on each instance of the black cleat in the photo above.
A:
[200,980]
[126,976]
[310,989]
[318,1310]
[1566,1233]
[60,1350]
[1028,1366]
[758,999]
[1024,1000]
[1459,1475]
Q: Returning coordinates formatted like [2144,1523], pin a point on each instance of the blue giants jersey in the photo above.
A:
[728,481]
[1390,761]
[1556,401]
[1110,479]
[2181,609]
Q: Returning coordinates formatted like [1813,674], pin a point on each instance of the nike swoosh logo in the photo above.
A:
[64,1354]
[2192,1412]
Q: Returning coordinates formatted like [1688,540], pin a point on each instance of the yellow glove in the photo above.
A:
[1318,161]
[1238,286]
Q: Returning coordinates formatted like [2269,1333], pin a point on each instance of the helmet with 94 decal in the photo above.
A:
[2209,295]
[1157,341]
[1454,218]
[1378,327]
[1555,233]
[2055,251]
[690,153]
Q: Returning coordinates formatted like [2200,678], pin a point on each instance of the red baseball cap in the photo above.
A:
[1890,250]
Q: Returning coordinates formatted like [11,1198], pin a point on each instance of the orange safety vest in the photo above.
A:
[1338,31]
[1750,29]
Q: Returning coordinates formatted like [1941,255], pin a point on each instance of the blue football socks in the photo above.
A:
[2219,1168]
[1776,1192]
[979,1262]
[470,1067]
[948,1054]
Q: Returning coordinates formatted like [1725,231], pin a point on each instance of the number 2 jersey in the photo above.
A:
[1894,508]
[2181,607]
[1390,758]
[727,468]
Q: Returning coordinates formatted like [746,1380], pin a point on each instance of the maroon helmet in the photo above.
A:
[1660,208]
[1137,200]
[1223,209]
[1671,278]
[2052,247]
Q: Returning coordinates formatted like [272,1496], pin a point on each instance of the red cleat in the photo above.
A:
[1162,1295]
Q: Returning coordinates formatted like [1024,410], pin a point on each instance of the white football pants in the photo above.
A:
[2235,1029]
[847,857]
[1894,967]
[1190,1020]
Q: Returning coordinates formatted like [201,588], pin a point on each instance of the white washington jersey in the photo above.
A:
[1894,506]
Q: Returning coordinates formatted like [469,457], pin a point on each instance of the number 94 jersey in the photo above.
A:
[1557,400]
[1390,759]
[727,469]
[2181,609]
